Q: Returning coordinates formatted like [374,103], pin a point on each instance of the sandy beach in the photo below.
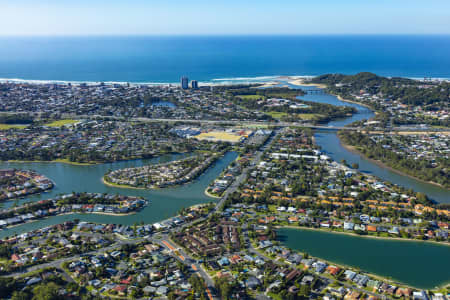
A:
[303,82]
[269,84]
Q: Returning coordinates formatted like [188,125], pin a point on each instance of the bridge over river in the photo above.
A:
[259,123]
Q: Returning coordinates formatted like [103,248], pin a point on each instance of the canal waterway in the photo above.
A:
[164,203]
[418,264]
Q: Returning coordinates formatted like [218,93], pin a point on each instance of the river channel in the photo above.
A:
[331,145]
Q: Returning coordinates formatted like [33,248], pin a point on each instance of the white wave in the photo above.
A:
[247,78]
[212,82]
[44,82]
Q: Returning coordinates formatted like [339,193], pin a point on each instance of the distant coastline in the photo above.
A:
[299,80]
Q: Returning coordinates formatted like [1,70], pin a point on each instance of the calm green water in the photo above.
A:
[163,203]
[422,265]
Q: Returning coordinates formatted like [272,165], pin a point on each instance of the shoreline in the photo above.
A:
[355,102]
[67,214]
[66,161]
[376,276]
[268,84]
[211,195]
[62,161]
[206,82]
[24,197]
[122,186]
[96,213]
[301,82]
[365,236]
[381,164]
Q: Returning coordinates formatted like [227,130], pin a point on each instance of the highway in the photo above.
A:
[253,123]
[237,182]
[214,122]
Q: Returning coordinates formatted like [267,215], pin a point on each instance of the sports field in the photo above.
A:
[219,136]
[60,123]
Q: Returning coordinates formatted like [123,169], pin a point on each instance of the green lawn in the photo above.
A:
[60,123]
[276,114]
[272,208]
[279,115]
[308,116]
[67,161]
[10,126]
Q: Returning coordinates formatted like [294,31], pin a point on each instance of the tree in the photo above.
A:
[355,165]
[20,295]
[224,287]
[47,291]
[421,197]
[305,290]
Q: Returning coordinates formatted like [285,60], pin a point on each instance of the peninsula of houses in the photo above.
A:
[20,183]
[162,175]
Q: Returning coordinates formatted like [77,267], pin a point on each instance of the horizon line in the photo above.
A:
[220,34]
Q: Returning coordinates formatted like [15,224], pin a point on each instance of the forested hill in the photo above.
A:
[407,91]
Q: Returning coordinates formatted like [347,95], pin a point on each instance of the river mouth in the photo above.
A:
[418,264]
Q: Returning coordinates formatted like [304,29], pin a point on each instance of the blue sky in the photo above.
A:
[101,17]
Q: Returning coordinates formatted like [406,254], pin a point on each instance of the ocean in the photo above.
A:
[164,59]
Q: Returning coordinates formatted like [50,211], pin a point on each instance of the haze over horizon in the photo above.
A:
[201,17]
